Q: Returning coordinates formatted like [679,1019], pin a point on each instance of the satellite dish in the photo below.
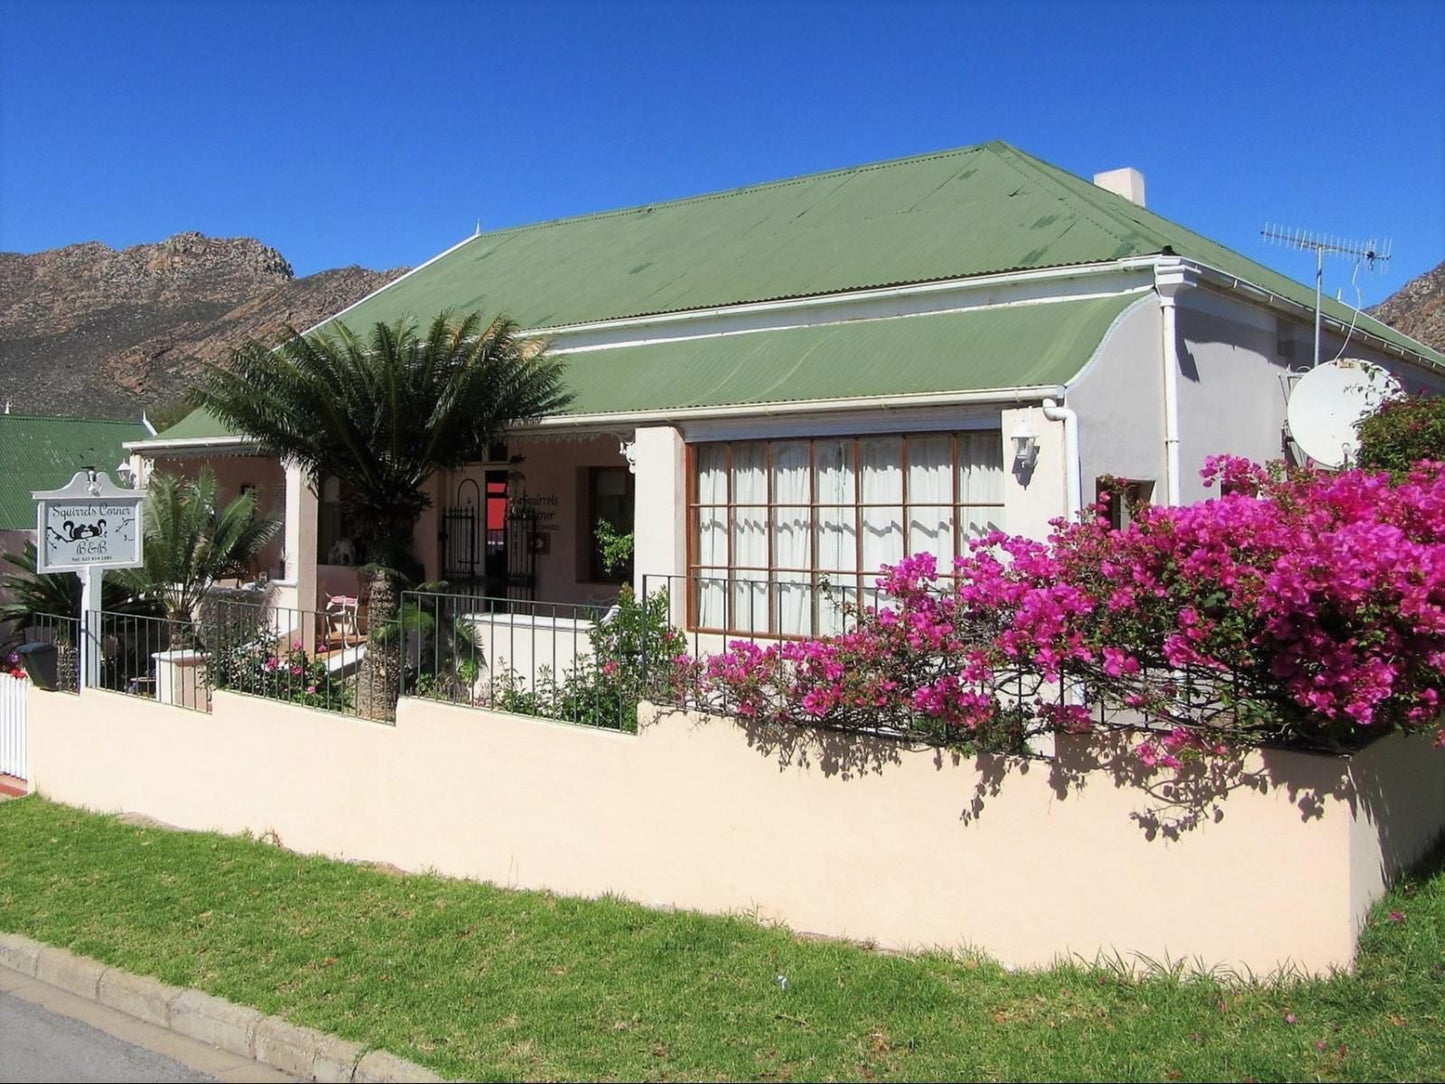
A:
[1327,403]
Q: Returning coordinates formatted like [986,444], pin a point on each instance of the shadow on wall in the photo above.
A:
[1172,802]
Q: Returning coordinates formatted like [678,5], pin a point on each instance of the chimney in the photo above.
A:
[1127,182]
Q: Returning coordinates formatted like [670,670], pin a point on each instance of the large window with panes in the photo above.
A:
[783,534]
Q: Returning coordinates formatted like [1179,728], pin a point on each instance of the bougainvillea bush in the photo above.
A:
[1299,607]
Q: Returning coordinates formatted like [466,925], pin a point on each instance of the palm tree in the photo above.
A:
[382,414]
[190,543]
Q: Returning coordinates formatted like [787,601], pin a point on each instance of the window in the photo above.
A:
[1125,496]
[784,532]
[609,499]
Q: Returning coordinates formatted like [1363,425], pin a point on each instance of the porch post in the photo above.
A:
[301,513]
[660,513]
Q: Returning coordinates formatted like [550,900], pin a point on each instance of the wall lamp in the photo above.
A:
[1026,446]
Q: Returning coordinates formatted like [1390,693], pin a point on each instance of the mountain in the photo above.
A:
[90,330]
[1418,308]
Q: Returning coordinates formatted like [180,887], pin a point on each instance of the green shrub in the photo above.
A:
[1403,432]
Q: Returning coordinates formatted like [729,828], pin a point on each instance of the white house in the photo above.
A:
[785,386]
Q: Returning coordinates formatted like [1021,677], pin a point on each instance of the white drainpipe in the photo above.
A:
[1170,356]
[1056,413]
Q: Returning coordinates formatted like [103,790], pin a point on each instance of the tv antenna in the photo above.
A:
[1371,254]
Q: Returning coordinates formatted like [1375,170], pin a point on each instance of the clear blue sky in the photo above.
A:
[377,133]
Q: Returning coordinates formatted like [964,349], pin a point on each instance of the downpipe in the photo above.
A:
[1072,482]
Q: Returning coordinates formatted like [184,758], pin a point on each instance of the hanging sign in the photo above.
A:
[91,523]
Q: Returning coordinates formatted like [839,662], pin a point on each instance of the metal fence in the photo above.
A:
[544,659]
[152,657]
[63,634]
[313,658]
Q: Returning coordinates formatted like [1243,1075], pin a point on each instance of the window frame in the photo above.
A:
[852,580]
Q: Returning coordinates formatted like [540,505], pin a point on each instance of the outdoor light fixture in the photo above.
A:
[125,474]
[1026,445]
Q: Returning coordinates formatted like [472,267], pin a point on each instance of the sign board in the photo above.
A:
[91,523]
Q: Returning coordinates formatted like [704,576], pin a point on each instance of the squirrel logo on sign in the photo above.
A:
[74,532]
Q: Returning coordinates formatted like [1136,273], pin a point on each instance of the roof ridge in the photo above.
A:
[72,418]
[1047,173]
[724,193]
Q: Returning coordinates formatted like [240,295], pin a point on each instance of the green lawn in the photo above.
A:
[479,982]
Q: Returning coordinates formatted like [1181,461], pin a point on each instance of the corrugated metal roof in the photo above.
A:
[1020,346]
[43,453]
[971,211]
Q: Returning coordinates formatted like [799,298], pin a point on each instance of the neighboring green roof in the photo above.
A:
[976,210]
[198,424]
[978,350]
[43,453]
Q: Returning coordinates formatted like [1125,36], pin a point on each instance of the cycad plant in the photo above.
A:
[190,543]
[382,413]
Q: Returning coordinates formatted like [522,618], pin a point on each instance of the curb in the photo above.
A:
[270,1040]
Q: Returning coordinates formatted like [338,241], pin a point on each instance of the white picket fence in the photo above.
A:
[13,756]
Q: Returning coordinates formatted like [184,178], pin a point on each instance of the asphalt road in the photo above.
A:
[39,1045]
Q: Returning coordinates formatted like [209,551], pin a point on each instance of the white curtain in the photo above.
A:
[712,536]
[980,482]
[792,539]
[750,538]
[795,524]
[930,498]
[882,488]
[837,500]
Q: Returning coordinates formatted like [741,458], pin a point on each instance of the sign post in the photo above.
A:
[87,527]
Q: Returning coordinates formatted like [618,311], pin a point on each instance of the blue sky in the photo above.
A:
[377,133]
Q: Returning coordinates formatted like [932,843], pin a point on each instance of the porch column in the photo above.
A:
[301,509]
[659,521]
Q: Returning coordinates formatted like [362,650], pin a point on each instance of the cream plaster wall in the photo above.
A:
[832,834]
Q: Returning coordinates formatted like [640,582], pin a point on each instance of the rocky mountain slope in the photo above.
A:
[1418,308]
[90,330]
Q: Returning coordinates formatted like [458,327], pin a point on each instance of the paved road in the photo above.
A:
[39,1045]
[48,1034]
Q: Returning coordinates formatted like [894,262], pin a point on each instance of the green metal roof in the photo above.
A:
[978,350]
[198,424]
[976,210]
[972,211]
[43,453]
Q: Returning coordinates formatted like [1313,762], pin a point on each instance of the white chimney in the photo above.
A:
[1127,182]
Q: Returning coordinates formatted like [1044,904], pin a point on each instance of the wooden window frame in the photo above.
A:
[856,576]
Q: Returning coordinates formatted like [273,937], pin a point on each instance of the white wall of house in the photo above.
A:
[1234,357]
[1119,398]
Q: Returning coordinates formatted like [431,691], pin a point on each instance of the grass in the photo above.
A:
[485,983]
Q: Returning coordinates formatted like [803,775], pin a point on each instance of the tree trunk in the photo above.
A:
[378,679]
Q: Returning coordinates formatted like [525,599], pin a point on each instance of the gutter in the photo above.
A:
[1032,393]
[1232,283]
[181,444]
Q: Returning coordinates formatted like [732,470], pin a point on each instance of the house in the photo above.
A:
[783,387]
[44,453]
